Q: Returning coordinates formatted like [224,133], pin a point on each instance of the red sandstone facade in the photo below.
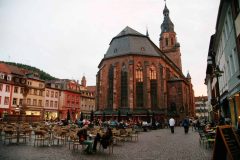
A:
[136,77]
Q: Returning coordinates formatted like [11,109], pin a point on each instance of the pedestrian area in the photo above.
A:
[152,145]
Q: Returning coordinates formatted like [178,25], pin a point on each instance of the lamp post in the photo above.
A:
[18,109]
[203,103]
[218,73]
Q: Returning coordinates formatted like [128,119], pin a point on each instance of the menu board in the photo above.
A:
[226,144]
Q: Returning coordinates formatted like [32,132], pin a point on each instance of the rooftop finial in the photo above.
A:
[147,32]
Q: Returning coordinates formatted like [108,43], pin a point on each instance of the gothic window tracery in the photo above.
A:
[153,86]
[139,85]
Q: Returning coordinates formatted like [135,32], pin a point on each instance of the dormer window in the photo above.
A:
[115,50]
[1,75]
[9,78]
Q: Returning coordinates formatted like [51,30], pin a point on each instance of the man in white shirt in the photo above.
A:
[171,124]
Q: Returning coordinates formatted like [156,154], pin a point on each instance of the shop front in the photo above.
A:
[50,115]
[234,102]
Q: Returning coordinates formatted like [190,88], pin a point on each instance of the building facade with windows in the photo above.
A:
[51,102]
[69,100]
[223,71]
[12,84]
[137,78]
[87,102]
[35,95]
[20,88]
[201,108]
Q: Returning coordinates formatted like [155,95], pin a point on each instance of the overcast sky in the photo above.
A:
[68,38]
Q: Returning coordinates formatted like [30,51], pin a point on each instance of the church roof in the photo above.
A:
[129,41]
[128,31]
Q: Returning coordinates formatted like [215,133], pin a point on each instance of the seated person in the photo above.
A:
[82,134]
[207,128]
[104,140]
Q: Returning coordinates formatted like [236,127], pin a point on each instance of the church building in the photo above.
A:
[138,80]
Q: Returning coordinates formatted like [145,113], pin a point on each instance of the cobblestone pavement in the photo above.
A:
[152,145]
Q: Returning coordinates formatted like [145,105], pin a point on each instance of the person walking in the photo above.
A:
[186,124]
[171,124]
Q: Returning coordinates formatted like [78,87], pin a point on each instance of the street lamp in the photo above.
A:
[218,73]
[18,109]
[203,103]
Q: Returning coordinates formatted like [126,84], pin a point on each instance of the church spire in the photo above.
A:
[167,25]
[168,41]
[147,32]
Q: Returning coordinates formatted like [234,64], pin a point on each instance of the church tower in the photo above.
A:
[168,42]
[84,81]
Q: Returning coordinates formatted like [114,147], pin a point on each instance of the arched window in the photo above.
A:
[110,86]
[152,72]
[139,73]
[166,41]
[139,85]
[153,86]
[173,91]
[124,87]
[172,42]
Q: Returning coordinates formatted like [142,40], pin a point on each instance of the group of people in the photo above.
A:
[104,139]
[185,124]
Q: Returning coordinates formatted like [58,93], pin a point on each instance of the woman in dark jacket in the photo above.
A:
[185,124]
[104,140]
